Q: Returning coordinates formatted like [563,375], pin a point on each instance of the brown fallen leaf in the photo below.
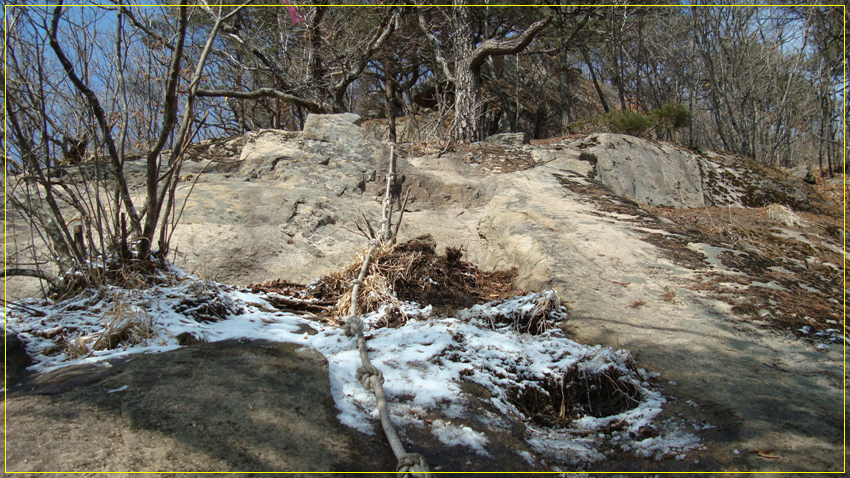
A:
[765,453]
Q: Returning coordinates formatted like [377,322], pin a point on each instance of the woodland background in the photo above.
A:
[108,84]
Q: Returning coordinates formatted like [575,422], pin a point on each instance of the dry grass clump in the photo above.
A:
[560,399]
[781,214]
[206,303]
[375,291]
[126,274]
[336,285]
[412,271]
[532,314]
[126,324]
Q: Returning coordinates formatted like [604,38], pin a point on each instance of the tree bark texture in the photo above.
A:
[469,107]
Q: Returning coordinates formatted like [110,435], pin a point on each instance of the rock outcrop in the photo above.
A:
[509,138]
[288,207]
[661,174]
[267,151]
[651,173]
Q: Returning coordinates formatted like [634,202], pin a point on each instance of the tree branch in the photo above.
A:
[311,106]
[38,274]
[381,35]
[438,53]
[494,47]
[126,11]
[276,70]
[91,97]
[169,114]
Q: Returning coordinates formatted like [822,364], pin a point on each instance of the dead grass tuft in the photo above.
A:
[781,214]
[411,271]
[125,325]
[126,274]
[558,400]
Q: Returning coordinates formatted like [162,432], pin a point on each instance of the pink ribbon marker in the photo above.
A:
[293,12]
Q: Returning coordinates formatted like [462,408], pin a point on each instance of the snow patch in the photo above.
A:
[424,362]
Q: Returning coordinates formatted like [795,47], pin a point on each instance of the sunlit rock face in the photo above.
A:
[662,174]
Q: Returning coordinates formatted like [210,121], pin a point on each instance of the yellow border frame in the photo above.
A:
[295,4]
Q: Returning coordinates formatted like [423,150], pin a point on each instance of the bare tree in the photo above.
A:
[312,71]
[468,54]
[755,91]
[110,229]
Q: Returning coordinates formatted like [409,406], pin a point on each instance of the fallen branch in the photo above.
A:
[38,274]
[279,302]
[35,312]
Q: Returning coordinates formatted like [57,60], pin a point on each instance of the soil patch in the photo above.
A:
[792,274]
[791,270]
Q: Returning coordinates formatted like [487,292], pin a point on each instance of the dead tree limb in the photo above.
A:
[38,274]
[310,106]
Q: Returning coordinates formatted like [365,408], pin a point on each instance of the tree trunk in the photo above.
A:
[564,87]
[390,94]
[468,112]
[593,76]
[467,79]
[468,60]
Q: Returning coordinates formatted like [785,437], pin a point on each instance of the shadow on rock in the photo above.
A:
[256,406]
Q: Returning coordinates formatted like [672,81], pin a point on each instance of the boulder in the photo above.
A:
[657,174]
[339,137]
[17,360]
[662,174]
[804,172]
[265,149]
[514,139]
